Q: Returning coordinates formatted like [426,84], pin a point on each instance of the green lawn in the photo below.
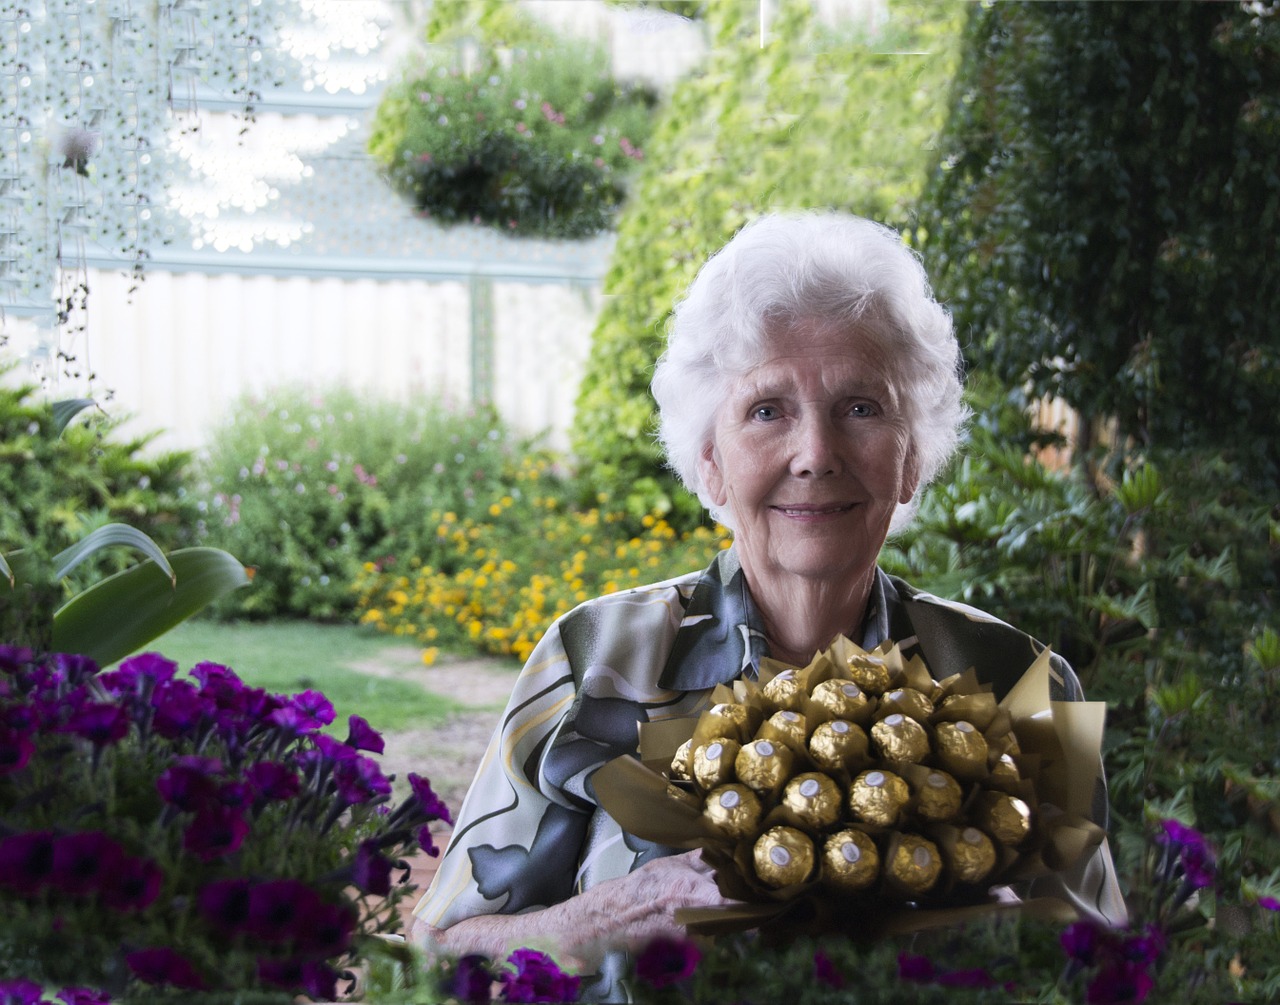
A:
[292,656]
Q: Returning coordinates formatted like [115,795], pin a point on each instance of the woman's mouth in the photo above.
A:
[813,511]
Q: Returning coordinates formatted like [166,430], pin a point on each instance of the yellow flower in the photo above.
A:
[429,656]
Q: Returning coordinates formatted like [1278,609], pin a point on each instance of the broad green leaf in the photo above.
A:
[1140,489]
[123,613]
[106,537]
[65,411]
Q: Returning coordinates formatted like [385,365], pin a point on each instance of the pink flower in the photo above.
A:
[666,961]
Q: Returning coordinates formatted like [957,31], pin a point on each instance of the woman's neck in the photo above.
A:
[803,617]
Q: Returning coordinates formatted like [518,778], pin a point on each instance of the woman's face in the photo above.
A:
[811,454]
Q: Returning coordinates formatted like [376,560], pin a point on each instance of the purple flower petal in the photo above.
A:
[272,781]
[666,961]
[83,862]
[915,968]
[20,992]
[84,996]
[824,970]
[536,978]
[224,904]
[16,748]
[432,805]
[14,658]
[1270,903]
[134,885]
[164,966]
[1120,983]
[215,831]
[26,861]
[371,871]
[101,724]
[472,980]
[1080,941]
[362,736]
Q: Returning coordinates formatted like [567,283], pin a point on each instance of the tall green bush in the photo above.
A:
[819,116]
[1104,214]
[533,136]
[308,486]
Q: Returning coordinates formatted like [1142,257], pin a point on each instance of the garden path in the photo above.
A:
[447,753]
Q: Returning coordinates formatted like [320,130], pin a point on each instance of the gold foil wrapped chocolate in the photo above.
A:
[838,745]
[786,727]
[850,861]
[682,761]
[913,863]
[938,799]
[783,856]
[1006,818]
[971,856]
[870,673]
[843,699]
[814,798]
[730,719]
[910,702]
[713,762]
[764,765]
[784,692]
[734,809]
[900,738]
[878,797]
[1004,771]
[962,750]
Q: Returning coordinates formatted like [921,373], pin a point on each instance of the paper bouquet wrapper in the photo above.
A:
[1042,756]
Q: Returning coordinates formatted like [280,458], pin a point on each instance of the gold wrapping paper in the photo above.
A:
[1053,751]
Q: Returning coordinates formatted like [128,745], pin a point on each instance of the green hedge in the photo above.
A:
[819,116]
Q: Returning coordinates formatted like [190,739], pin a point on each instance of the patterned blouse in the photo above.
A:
[530,833]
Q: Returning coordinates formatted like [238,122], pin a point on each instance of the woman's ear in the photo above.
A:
[712,476]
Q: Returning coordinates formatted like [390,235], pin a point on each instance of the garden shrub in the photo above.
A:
[536,138]
[55,489]
[531,556]
[308,486]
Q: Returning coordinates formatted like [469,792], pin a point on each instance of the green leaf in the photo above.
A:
[65,411]
[6,571]
[1140,489]
[123,613]
[106,537]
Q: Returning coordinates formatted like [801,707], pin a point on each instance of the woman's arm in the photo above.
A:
[629,911]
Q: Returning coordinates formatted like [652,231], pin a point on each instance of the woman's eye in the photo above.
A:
[764,413]
[861,409]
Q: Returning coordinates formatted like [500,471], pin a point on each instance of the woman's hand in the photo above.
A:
[627,911]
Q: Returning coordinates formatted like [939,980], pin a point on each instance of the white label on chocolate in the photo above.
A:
[810,788]
[875,779]
[714,751]
[936,780]
[840,726]
[921,858]
[852,691]
[764,748]
[971,835]
[729,800]
[964,727]
[851,852]
[779,856]
[894,720]
[789,716]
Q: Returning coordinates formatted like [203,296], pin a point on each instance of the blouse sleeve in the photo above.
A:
[517,839]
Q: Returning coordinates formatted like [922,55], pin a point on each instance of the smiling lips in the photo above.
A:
[812,511]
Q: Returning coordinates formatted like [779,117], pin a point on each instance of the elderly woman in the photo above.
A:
[809,390]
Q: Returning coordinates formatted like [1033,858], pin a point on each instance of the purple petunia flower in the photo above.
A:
[825,972]
[536,978]
[304,713]
[426,842]
[224,904]
[432,805]
[215,831]
[100,723]
[75,668]
[190,783]
[1121,981]
[359,779]
[275,907]
[915,968]
[1145,948]
[1270,903]
[362,736]
[371,870]
[26,861]
[16,748]
[138,675]
[164,966]
[317,980]
[179,709]
[472,980]
[133,886]
[82,862]
[1081,941]
[272,781]
[325,930]
[666,961]
[14,658]
[19,992]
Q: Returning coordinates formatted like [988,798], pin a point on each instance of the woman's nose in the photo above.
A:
[816,452]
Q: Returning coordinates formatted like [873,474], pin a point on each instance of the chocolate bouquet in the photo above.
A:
[860,791]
